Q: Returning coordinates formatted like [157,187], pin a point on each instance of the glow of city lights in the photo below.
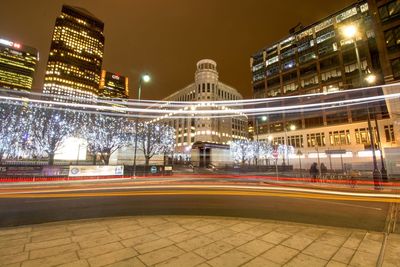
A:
[349,31]
[371,78]
[146,78]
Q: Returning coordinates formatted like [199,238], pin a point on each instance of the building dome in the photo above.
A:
[207,64]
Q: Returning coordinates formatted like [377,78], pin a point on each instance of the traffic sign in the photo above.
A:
[275,154]
[153,169]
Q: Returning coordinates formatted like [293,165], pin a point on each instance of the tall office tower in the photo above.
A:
[113,85]
[76,55]
[356,47]
[17,65]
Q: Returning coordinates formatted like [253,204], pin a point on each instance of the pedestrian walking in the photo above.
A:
[314,171]
[324,170]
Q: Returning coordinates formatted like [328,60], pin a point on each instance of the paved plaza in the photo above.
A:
[192,241]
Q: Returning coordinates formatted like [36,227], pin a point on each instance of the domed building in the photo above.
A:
[197,137]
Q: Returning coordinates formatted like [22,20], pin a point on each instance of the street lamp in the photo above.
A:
[292,127]
[350,32]
[143,78]
[263,119]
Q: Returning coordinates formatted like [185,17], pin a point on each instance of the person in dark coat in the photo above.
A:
[324,170]
[314,171]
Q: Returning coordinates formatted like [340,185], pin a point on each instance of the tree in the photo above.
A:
[48,128]
[155,139]
[242,151]
[12,125]
[105,134]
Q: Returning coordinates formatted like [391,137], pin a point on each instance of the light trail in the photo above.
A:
[210,110]
[226,190]
[212,187]
[179,104]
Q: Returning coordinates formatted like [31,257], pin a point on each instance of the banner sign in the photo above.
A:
[98,170]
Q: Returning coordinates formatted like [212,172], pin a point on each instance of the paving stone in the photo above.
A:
[289,229]
[342,232]
[90,236]
[260,230]
[188,234]
[312,233]
[241,227]
[392,252]
[194,243]
[88,230]
[302,260]
[255,247]
[47,244]
[170,231]
[133,262]
[297,242]
[321,250]
[151,221]
[194,225]
[78,263]
[163,226]
[275,237]
[261,262]
[228,222]
[52,236]
[17,230]
[364,259]
[52,251]
[48,230]
[98,250]
[185,260]
[125,229]
[209,228]
[280,254]
[10,237]
[354,240]
[9,259]
[121,223]
[14,242]
[370,246]
[112,257]
[99,241]
[153,245]
[160,255]
[138,232]
[51,260]
[220,234]
[375,236]
[232,258]
[239,239]
[134,241]
[214,249]
[344,255]
[333,263]
[331,239]
[204,264]
[11,250]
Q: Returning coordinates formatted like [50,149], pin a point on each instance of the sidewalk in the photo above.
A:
[192,241]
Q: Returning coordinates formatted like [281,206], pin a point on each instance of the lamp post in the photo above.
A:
[383,168]
[143,78]
[263,119]
[350,32]
[299,154]
[292,127]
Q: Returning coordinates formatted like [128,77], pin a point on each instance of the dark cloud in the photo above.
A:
[167,37]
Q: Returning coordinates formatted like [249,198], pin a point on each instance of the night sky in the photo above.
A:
[167,37]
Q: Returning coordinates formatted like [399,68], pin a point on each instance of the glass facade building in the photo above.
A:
[17,65]
[113,85]
[76,55]
[319,58]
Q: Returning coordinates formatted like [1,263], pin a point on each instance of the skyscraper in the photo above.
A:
[17,65]
[76,55]
[326,62]
[113,85]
